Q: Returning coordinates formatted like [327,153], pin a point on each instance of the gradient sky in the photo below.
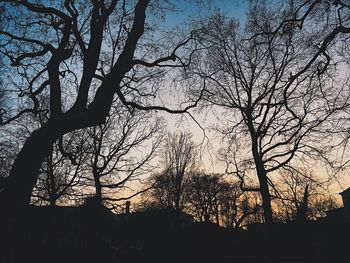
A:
[191,9]
[234,8]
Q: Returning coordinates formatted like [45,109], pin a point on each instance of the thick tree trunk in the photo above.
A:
[264,189]
[98,188]
[263,182]
[265,195]
[18,188]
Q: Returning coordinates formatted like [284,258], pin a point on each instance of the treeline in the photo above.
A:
[220,199]
[81,84]
[115,162]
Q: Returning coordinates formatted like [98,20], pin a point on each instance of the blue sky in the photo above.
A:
[234,8]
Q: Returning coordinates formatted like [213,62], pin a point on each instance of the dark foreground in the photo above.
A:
[96,235]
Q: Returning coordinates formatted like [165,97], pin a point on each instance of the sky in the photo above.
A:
[234,8]
[193,9]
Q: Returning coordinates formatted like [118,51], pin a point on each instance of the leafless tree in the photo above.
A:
[6,148]
[171,186]
[61,174]
[83,54]
[122,152]
[7,154]
[302,196]
[238,209]
[274,81]
[205,191]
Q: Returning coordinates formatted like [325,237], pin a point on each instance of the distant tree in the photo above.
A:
[273,84]
[301,196]
[205,191]
[2,98]
[122,152]
[7,154]
[238,209]
[322,204]
[7,150]
[7,147]
[170,187]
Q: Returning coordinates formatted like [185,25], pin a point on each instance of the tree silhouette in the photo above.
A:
[273,80]
[170,187]
[122,152]
[302,196]
[238,209]
[205,191]
[62,172]
[82,53]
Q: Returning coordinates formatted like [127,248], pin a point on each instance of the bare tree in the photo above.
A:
[83,53]
[205,191]
[274,83]
[238,209]
[302,196]
[62,171]
[179,161]
[6,147]
[7,154]
[122,152]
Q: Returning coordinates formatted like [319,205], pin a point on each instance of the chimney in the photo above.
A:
[127,207]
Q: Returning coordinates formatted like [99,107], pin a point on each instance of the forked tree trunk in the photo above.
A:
[25,170]
[17,190]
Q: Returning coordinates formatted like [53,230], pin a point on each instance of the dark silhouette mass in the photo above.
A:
[174,131]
